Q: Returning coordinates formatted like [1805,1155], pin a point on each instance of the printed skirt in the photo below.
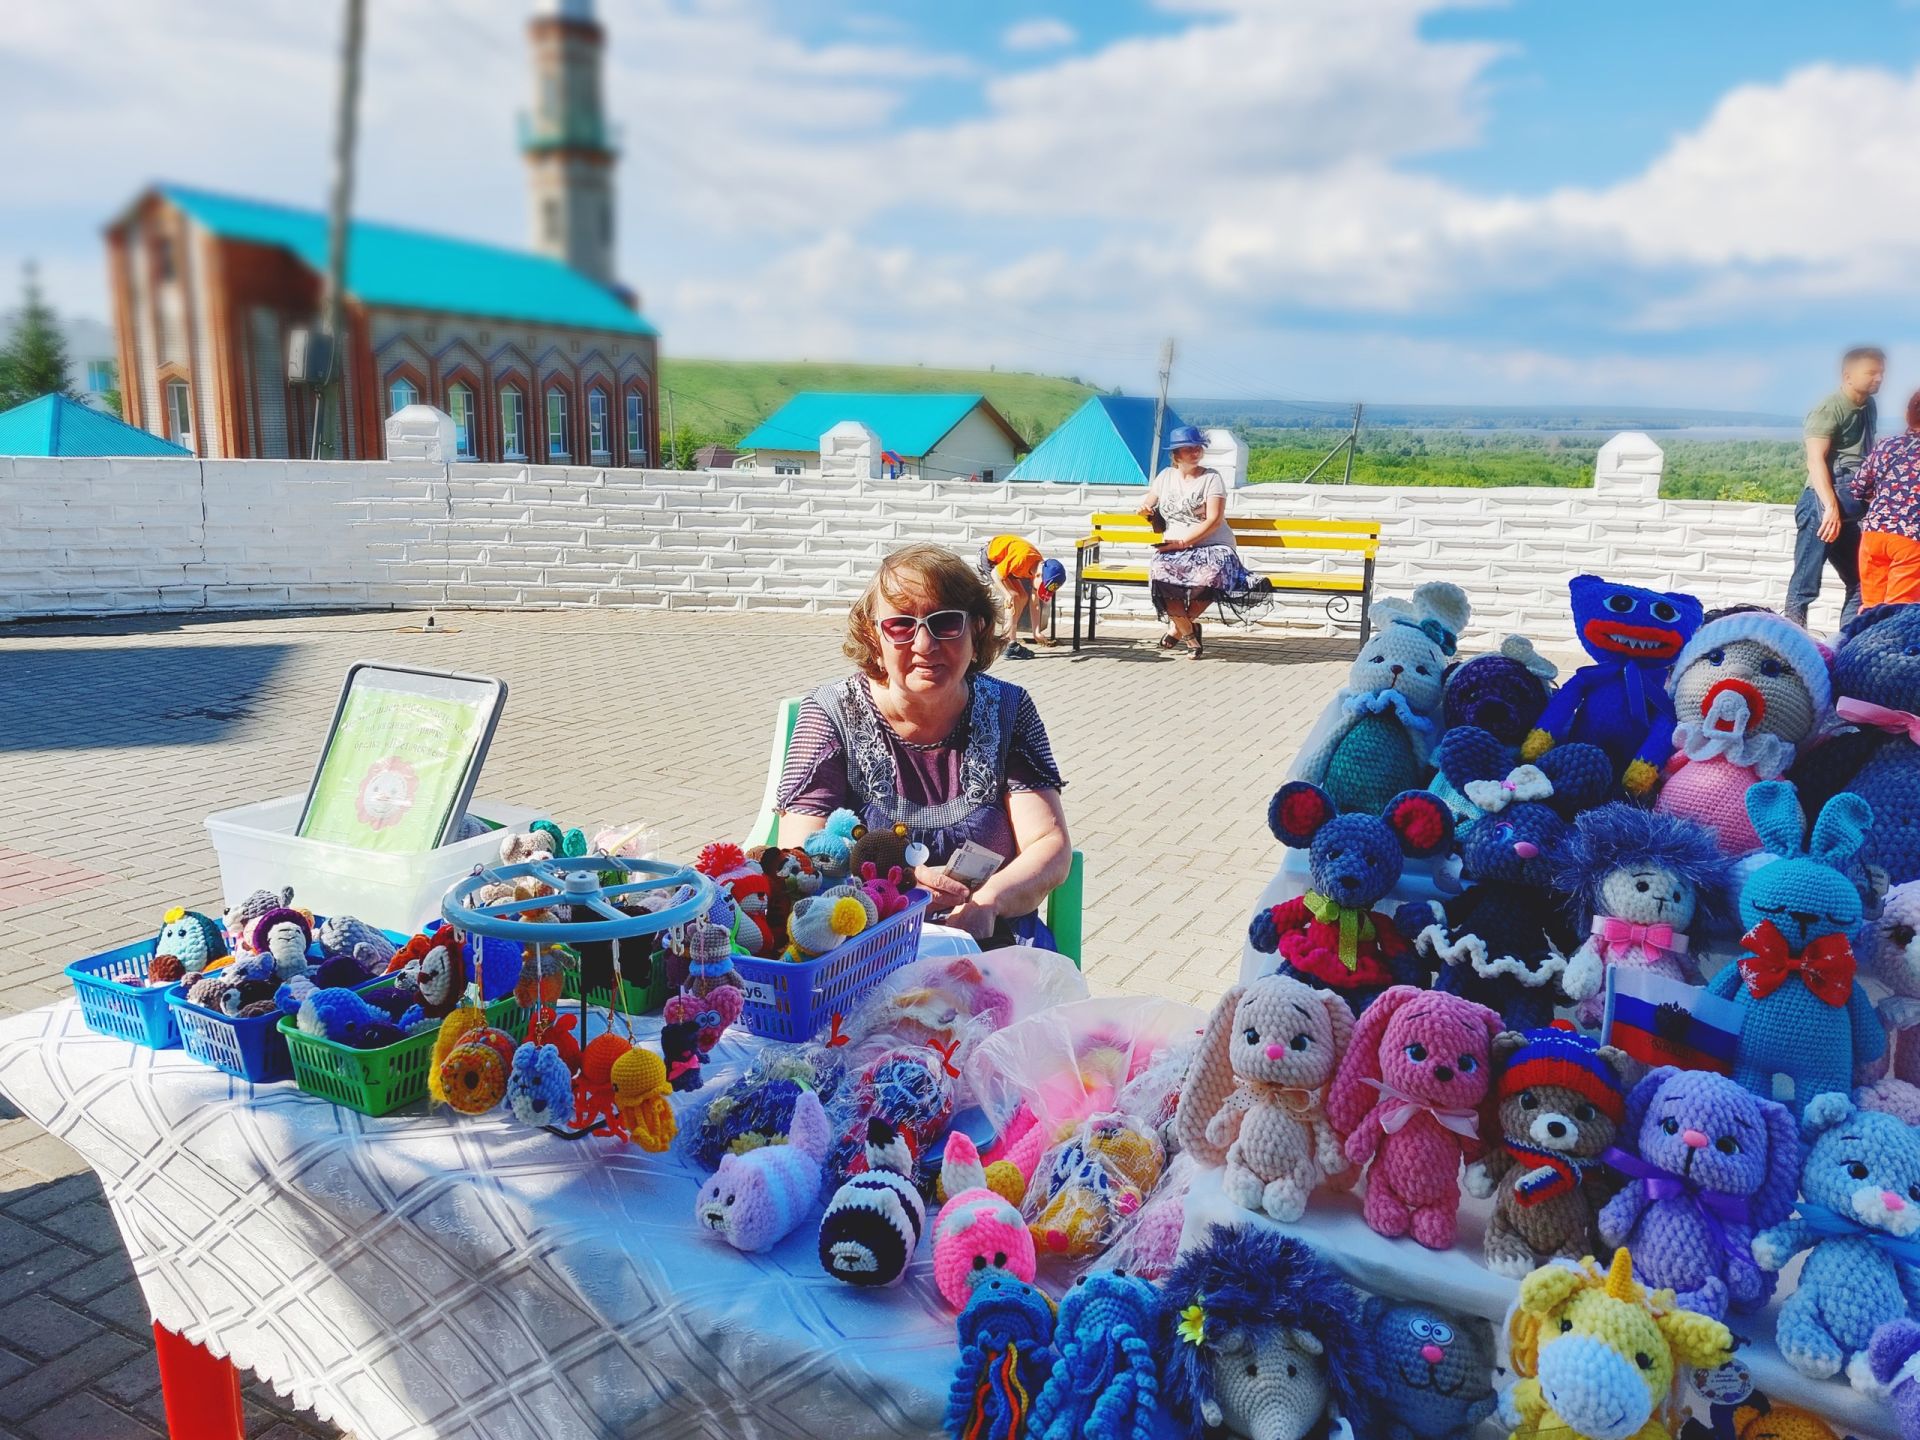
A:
[1202,574]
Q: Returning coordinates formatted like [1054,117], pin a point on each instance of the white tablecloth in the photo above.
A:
[429,1275]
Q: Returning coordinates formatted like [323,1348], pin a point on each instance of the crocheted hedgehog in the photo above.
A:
[1876,675]
[1436,1370]
[1620,702]
[874,1222]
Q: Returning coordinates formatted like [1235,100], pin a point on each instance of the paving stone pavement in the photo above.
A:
[118,737]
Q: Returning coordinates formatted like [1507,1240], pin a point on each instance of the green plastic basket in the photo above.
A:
[378,1082]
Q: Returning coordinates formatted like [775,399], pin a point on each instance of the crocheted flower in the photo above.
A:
[1193,1325]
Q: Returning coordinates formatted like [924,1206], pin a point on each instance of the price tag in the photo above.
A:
[1728,1384]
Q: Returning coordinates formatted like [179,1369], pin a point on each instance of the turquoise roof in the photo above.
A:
[409,269]
[1104,442]
[908,425]
[55,425]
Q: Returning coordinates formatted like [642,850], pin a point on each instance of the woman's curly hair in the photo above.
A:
[941,578]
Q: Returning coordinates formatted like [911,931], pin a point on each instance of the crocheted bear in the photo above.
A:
[1374,739]
[875,1219]
[1750,689]
[1708,1163]
[1406,1098]
[1106,1383]
[1876,679]
[1503,693]
[1638,882]
[1894,1358]
[1803,1015]
[1006,1353]
[1331,936]
[1559,1100]
[1503,941]
[1436,1370]
[1253,1097]
[754,1200]
[1859,1214]
[1620,702]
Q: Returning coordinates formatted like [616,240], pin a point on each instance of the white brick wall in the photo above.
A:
[123,535]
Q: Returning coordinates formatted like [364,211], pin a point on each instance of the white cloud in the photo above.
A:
[1042,34]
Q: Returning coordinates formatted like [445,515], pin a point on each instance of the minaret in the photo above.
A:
[569,151]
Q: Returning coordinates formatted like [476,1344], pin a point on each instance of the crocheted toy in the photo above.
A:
[757,1108]
[831,848]
[1708,1163]
[1106,1383]
[907,1086]
[885,848]
[978,1233]
[540,1086]
[1331,936]
[704,951]
[790,874]
[1620,702]
[1560,1098]
[239,919]
[1503,693]
[747,885]
[473,1072]
[434,966]
[820,922]
[283,935]
[1436,1370]
[1893,958]
[1266,1340]
[1091,1181]
[1803,1015]
[243,989]
[1859,1216]
[710,1014]
[875,1219]
[1005,1332]
[884,890]
[1762,1420]
[1876,679]
[1749,688]
[1406,1100]
[640,1091]
[347,1018]
[1503,941]
[346,935]
[1600,1355]
[1894,1359]
[1375,740]
[1253,1097]
[187,944]
[754,1200]
[1640,881]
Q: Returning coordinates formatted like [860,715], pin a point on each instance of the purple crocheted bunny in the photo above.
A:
[1711,1163]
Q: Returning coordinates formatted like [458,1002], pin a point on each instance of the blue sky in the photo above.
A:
[1393,200]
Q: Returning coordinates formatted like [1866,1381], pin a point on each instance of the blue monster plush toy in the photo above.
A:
[1860,1218]
[1803,1015]
[1105,1385]
[1436,1370]
[1006,1335]
[1620,702]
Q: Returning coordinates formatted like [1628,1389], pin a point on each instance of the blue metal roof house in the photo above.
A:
[1104,442]
[929,436]
[53,425]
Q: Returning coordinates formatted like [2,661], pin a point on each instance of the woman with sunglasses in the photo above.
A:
[922,735]
[1195,562]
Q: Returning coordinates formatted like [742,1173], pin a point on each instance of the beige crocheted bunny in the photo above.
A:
[1253,1096]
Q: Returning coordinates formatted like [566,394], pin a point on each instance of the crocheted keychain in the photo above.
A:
[1106,1383]
[1005,1331]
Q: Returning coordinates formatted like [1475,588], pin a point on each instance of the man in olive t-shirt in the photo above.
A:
[1839,432]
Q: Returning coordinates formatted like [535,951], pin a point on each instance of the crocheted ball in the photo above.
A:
[165,969]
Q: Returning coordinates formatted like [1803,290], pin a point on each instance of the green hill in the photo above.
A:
[721,400]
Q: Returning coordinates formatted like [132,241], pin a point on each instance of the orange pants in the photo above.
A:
[1889,568]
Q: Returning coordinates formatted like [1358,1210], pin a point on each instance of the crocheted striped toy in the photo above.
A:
[754,1200]
[875,1219]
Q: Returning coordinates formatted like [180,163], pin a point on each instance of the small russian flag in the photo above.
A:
[1667,1022]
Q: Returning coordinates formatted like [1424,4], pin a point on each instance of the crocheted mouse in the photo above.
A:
[1749,688]
[1105,1384]
[1331,936]
[1504,940]
[1894,1359]
[1860,1216]
[1406,1098]
[1436,1370]
[1803,1015]
[1708,1163]
[1375,740]
[1638,882]
[1253,1096]
[1620,702]
[754,1200]
[1559,1100]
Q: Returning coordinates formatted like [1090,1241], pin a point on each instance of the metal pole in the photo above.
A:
[1353,443]
[673,438]
[1160,409]
[338,210]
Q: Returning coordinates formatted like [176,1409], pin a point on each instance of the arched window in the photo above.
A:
[460,407]
[559,443]
[636,428]
[599,437]
[179,413]
[513,423]
[401,393]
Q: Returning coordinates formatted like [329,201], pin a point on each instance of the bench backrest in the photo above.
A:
[1279,532]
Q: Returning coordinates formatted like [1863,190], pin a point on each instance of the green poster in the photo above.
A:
[393,770]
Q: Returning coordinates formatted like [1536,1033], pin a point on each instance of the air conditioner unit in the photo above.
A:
[309,353]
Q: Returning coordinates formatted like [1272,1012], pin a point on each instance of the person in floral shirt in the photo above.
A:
[1888,480]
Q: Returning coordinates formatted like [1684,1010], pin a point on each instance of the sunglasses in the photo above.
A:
[944,625]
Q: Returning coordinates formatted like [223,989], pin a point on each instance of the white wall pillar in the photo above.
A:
[1628,467]
[850,451]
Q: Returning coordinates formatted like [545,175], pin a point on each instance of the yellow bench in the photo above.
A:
[1095,572]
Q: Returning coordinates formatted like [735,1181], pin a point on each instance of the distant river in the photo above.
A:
[1676,432]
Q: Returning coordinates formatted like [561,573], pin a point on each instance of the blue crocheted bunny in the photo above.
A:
[1803,1015]
[1106,1383]
[1860,1216]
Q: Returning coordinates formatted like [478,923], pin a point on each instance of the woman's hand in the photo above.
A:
[1170,544]
[977,917]
[947,892]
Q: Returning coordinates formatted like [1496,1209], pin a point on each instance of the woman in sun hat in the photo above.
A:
[1196,562]
[1026,581]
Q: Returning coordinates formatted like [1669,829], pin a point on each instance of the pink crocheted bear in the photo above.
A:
[1407,1098]
[1253,1097]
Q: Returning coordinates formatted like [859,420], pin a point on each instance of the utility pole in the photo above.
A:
[1353,442]
[331,389]
[1160,409]
[673,436]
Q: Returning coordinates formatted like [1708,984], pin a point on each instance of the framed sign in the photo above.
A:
[401,758]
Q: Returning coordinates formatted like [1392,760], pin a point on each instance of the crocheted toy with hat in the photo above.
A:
[1707,1163]
[1803,1014]
[831,846]
[1559,1101]
[239,919]
[1105,1384]
[1750,689]
[1253,1097]
[187,944]
[1436,1370]
[1005,1331]
[1374,740]
[283,935]
[1406,1099]
[1266,1341]
[978,1233]
[1638,882]
[1876,681]
[1601,1356]
[1331,936]
[1503,693]
[823,922]
[1859,1216]
[1503,941]
[755,1200]
[1620,702]
[1893,1356]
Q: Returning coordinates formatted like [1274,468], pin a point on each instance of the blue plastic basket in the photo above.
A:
[795,1000]
[251,1049]
[115,1002]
